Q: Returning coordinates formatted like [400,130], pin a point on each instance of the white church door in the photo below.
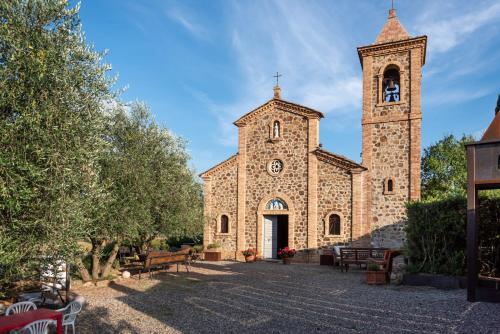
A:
[270,235]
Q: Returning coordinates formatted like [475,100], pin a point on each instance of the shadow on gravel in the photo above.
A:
[231,297]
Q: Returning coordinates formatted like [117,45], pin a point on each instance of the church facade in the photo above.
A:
[282,188]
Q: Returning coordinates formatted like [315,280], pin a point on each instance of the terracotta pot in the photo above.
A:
[250,258]
[286,260]
[376,277]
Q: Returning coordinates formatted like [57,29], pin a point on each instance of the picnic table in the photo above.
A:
[19,320]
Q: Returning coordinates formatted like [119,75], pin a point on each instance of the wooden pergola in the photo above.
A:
[483,172]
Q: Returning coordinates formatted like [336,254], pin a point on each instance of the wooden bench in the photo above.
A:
[360,256]
[158,259]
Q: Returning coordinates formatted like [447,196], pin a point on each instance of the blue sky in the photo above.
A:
[202,64]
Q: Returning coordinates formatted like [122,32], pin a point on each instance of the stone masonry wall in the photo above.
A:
[292,182]
[334,194]
[223,192]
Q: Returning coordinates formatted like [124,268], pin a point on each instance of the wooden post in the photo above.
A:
[471,226]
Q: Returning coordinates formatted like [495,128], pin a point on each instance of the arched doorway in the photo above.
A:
[275,220]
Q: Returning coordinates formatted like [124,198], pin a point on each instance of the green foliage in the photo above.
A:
[214,245]
[444,168]
[198,248]
[436,235]
[52,89]
[159,244]
[372,267]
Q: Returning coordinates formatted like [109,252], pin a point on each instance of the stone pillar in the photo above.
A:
[415,122]
[357,207]
[312,183]
[367,145]
[240,233]
[207,233]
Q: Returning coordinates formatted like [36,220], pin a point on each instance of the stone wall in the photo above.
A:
[334,195]
[223,200]
[292,181]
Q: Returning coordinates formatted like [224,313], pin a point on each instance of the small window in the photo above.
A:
[334,224]
[498,162]
[391,85]
[389,186]
[224,224]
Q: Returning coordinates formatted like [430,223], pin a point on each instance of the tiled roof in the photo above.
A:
[393,30]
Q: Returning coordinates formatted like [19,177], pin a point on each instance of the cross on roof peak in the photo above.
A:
[277,76]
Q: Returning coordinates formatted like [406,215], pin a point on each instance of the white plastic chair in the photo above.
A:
[38,327]
[69,315]
[20,308]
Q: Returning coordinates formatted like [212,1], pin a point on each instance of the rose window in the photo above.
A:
[276,166]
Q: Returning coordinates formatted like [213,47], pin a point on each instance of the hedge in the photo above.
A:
[436,236]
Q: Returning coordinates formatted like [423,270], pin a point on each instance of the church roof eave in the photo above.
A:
[285,105]
[219,166]
[339,160]
[419,41]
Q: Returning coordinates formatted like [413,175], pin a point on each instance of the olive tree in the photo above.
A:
[53,87]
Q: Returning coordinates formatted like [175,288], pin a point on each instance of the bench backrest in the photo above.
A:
[362,254]
[159,257]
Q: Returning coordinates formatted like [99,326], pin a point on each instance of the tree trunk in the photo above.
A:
[96,255]
[109,263]
[81,268]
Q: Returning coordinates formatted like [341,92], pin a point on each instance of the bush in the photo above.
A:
[214,245]
[436,235]
[372,267]
[159,244]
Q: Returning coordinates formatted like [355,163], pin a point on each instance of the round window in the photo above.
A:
[276,166]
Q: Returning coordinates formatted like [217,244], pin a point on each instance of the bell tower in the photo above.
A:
[391,125]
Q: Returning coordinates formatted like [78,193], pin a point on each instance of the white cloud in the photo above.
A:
[446,34]
[187,23]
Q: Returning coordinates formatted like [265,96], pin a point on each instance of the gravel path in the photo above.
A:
[228,297]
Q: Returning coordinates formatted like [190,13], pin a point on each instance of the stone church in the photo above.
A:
[282,188]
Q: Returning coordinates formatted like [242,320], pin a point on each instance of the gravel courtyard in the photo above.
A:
[227,297]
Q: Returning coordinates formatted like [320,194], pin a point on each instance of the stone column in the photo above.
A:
[312,183]
[356,220]
[240,233]
[415,122]
[207,233]
[367,143]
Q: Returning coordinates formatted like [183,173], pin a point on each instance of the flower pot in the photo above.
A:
[250,258]
[286,260]
[376,277]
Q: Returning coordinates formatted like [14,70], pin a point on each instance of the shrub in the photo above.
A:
[159,244]
[372,267]
[214,245]
[436,235]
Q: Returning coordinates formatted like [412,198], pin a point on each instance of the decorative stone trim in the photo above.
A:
[271,130]
[219,221]
[337,160]
[219,166]
[269,166]
[393,47]
[261,212]
[281,104]
[326,222]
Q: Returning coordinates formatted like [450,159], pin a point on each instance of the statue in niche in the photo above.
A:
[276,130]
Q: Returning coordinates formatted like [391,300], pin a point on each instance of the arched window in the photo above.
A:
[334,224]
[276,129]
[391,84]
[276,204]
[224,224]
[389,186]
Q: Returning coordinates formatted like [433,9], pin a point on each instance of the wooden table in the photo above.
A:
[19,320]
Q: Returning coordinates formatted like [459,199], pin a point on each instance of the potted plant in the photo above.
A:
[213,252]
[374,275]
[249,255]
[286,254]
